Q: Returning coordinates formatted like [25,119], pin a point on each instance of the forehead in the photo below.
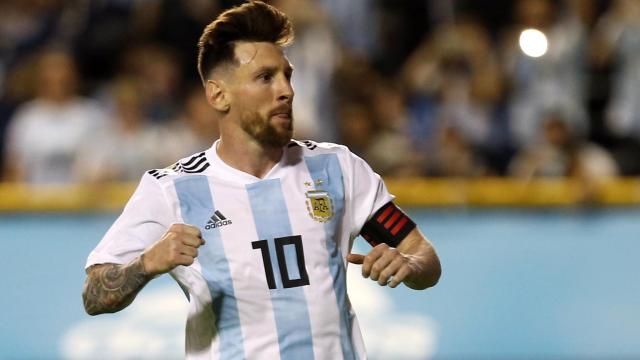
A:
[254,55]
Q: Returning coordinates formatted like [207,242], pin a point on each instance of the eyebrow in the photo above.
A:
[272,69]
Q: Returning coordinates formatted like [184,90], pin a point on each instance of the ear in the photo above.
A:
[217,95]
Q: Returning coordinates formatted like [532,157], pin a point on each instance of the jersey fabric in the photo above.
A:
[270,281]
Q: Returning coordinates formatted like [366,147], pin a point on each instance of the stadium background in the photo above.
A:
[522,170]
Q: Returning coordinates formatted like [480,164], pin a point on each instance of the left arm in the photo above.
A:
[400,252]
[414,261]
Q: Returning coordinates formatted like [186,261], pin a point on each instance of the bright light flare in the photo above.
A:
[533,43]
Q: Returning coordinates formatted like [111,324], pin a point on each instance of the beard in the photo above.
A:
[261,129]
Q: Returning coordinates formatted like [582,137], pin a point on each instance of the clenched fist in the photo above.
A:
[178,246]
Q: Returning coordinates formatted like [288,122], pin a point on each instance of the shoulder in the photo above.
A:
[30,109]
[310,147]
[190,165]
[27,119]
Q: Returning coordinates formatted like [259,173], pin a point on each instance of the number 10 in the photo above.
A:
[280,242]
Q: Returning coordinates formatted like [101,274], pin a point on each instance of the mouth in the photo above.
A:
[284,114]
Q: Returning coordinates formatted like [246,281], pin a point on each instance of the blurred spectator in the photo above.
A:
[357,24]
[390,151]
[458,106]
[554,80]
[617,36]
[128,146]
[177,25]
[355,126]
[314,55]
[401,26]
[46,133]
[453,156]
[157,70]
[25,25]
[562,153]
[455,83]
[616,46]
[107,29]
[374,128]
[354,81]
[195,130]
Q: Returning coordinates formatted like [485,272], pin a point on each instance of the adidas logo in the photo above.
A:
[217,220]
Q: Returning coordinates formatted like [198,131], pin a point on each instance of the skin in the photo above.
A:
[254,102]
[110,288]
[252,99]
[414,262]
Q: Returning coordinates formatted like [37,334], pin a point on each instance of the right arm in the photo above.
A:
[110,288]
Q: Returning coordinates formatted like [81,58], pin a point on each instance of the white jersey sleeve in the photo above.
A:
[144,220]
[368,192]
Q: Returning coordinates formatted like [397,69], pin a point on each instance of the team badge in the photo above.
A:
[319,205]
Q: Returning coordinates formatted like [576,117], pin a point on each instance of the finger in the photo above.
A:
[191,240]
[177,227]
[184,260]
[186,229]
[371,258]
[357,259]
[381,264]
[399,276]
[191,251]
[390,270]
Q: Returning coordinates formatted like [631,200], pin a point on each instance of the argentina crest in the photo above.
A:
[319,205]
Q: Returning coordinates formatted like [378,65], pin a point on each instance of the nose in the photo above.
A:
[285,90]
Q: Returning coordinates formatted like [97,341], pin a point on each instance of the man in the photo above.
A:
[46,134]
[256,229]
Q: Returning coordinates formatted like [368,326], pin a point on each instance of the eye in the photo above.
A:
[265,77]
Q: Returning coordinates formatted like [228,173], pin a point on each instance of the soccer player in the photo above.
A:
[257,229]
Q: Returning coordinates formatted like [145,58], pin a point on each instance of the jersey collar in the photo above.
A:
[221,169]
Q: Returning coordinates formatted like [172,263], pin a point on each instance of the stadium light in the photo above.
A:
[533,43]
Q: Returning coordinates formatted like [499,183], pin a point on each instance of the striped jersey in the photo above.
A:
[270,281]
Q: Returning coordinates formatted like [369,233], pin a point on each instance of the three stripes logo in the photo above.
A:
[195,164]
[309,144]
[217,220]
[158,174]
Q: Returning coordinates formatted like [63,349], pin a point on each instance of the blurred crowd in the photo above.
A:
[101,90]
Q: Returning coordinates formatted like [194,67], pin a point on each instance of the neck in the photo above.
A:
[244,153]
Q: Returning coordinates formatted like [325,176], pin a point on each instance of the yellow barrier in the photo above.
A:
[514,192]
[103,197]
[409,191]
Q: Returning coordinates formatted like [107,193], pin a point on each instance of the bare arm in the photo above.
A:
[413,262]
[425,264]
[111,287]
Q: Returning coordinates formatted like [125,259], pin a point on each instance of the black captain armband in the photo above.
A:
[389,225]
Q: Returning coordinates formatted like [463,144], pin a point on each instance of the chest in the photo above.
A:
[279,231]
[59,132]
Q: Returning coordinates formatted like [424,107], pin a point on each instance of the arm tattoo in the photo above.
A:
[112,287]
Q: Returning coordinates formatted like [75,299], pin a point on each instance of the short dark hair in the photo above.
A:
[252,21]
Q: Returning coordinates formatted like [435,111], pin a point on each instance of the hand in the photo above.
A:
[178,246]
[385,264]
